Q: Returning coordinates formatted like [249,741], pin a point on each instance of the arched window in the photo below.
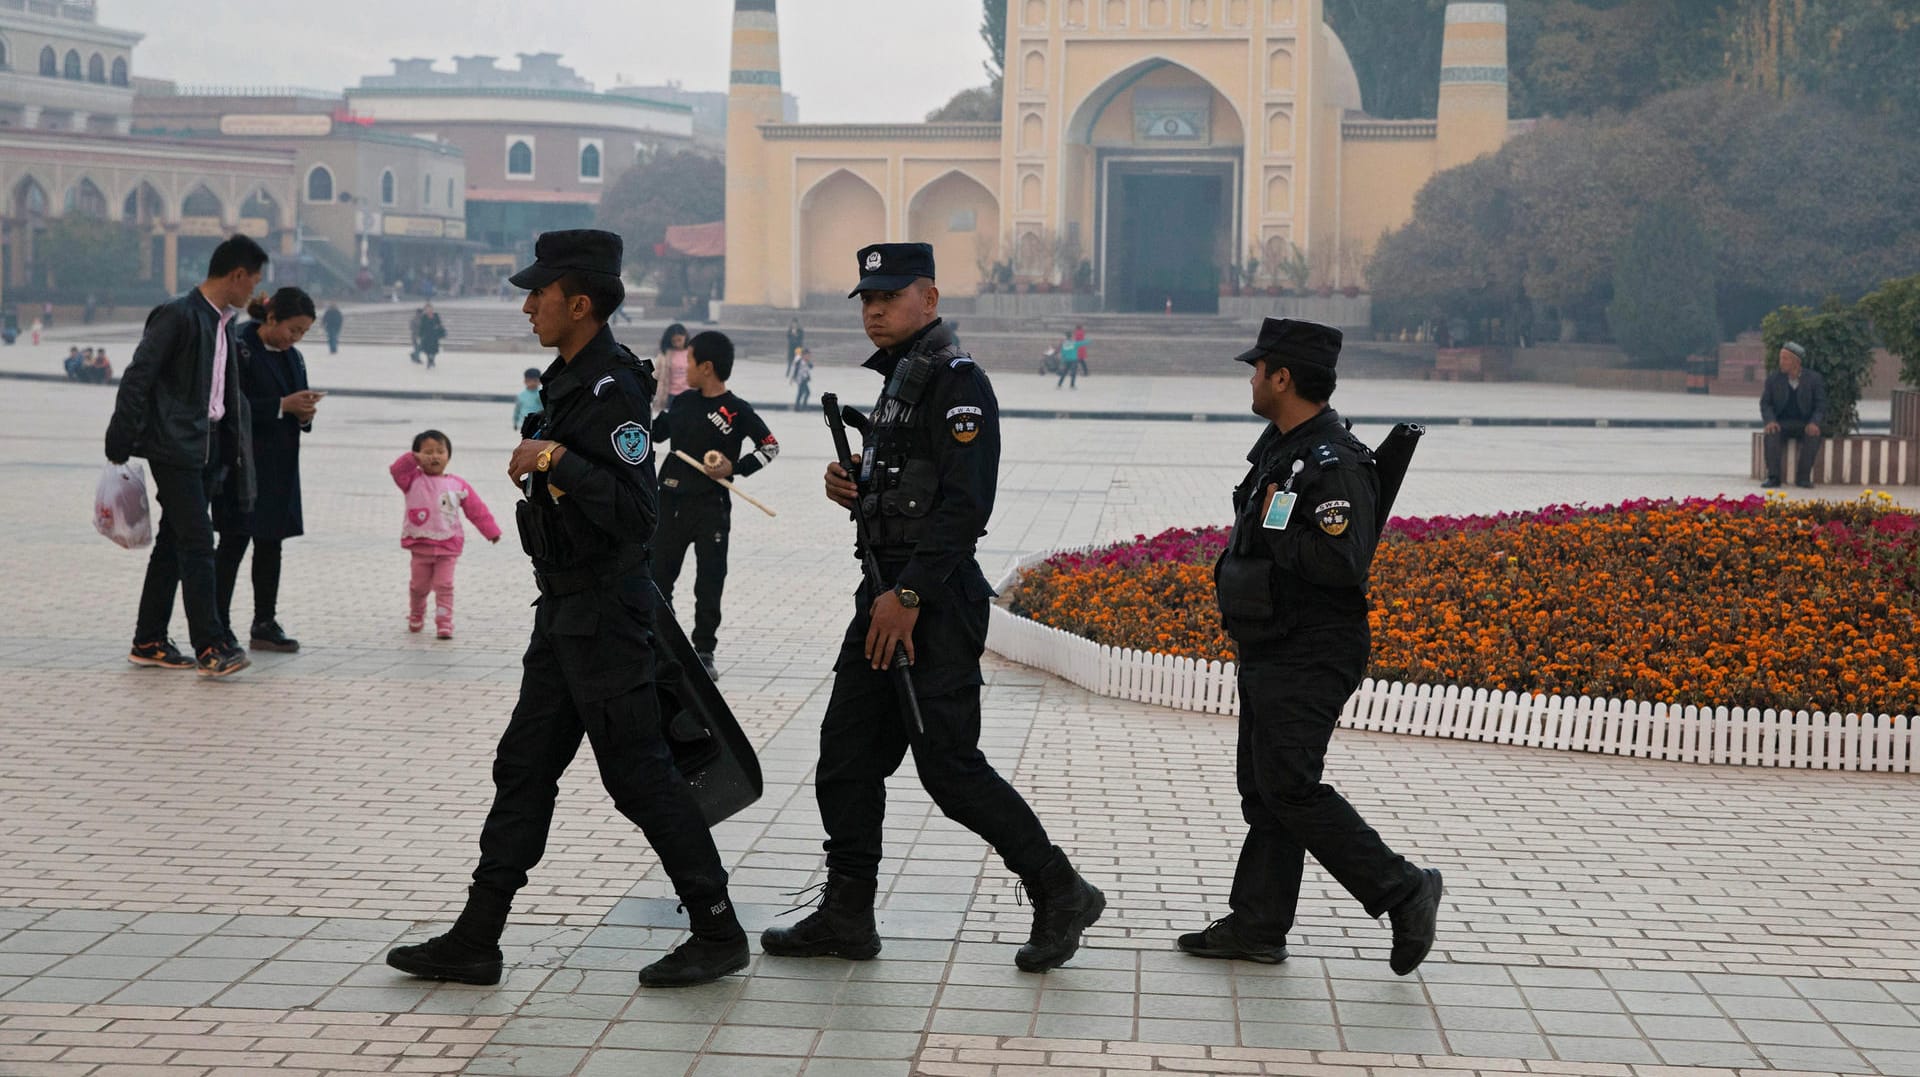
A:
[120,71]
[590,161]
[200,203]
[71,68]
[320,184]
[97,69]
[85,199]
[3,56]
[426,190]
[520,158]
[49,63]
[387,188]
[449,194]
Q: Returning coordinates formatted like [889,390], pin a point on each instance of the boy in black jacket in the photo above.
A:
[708,423]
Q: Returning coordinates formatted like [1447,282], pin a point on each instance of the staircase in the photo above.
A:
[472,324]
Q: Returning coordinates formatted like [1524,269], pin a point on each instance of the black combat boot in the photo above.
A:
[718,947]
[1414,923]
[469,953]
[1064,905]
[841,927]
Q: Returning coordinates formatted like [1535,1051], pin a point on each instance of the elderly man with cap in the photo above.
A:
[1792,403]
[1292,589]
[586,468]
[927,475]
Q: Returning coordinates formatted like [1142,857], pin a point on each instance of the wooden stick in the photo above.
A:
[741,494]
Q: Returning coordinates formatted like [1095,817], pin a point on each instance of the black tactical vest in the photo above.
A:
[898,469]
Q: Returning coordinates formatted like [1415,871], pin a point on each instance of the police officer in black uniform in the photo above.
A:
[927,474]
[1292,588]
[587,471]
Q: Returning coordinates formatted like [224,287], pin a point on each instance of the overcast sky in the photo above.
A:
[846,60]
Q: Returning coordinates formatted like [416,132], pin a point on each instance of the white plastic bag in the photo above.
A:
[120,505]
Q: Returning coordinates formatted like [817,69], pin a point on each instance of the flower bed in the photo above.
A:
[1753,602]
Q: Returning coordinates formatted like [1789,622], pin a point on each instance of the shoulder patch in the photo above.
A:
[1333,516]
[965,421]
[960,361]
[601,385]
[1325,456]
[631,443]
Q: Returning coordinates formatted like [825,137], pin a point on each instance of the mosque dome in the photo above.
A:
[1342,81]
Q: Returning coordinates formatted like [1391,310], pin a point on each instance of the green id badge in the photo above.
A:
[1280,511]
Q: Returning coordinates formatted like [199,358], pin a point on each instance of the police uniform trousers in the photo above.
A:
[1289,703]
[589,671]
[866,733]
[702,520]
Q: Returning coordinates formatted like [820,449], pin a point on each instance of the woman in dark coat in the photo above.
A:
[274,378]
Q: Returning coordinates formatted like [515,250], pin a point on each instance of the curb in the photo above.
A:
[1561,422]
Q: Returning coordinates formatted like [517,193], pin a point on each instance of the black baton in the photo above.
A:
[901,669]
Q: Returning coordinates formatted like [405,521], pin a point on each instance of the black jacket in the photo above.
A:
[1811,397]
[597,407]
[160,412]
[1322,554]
[266,376]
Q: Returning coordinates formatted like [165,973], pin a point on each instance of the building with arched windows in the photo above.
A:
[1147,151]
[540,144]
[60,70]
[374,206]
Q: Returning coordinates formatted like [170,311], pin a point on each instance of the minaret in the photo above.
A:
[1473,83]
[753,98]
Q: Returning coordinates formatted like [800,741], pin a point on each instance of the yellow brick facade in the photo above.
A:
[1158,140]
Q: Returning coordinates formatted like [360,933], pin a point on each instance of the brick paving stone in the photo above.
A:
[298,820]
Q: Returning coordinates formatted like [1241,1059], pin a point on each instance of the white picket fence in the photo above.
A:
[1728,735]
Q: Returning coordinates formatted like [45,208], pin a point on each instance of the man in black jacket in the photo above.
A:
[1292,588]
[589,671]
[181,407]
[1792,404]
[928,472]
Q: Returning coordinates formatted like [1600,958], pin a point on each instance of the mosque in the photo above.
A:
[1145,147]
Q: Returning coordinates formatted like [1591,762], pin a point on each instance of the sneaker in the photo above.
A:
[269,636]
[445,957]
[706,663]
[1224,939]
[223,660]
[415,626]
[161,654]
[443,633]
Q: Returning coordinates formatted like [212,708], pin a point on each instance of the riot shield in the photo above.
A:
[709,747]
[1390,461]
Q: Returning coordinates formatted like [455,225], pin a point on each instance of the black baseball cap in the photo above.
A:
[579,250]
[1286,338]
[889,267]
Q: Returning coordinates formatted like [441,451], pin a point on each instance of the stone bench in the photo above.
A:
[1855,460]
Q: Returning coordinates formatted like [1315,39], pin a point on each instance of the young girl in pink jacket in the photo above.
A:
[432,530]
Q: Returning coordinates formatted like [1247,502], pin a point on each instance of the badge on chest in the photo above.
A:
[1280,511]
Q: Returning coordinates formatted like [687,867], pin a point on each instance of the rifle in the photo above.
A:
[901,667]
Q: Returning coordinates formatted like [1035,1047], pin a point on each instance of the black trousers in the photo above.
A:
[553,713]
[1289,704]
[182,558]
[266,575]
[702,521]
[866,734]
[1775,447]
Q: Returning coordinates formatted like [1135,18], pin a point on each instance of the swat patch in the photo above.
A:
[630,442]
[1333,516]
[965,422]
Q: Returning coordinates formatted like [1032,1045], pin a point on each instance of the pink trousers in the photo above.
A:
[432,571]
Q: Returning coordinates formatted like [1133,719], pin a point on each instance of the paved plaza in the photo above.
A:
[201,878]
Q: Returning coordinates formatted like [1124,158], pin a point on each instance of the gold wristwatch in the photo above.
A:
[545,459]
[908,599]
